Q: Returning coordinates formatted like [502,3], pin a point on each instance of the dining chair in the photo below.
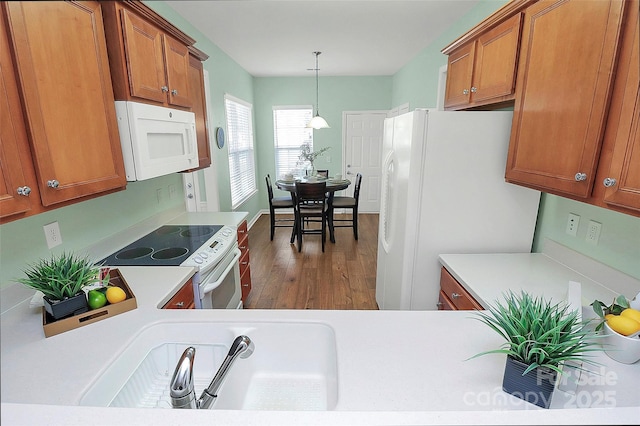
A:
[275,203]
[311,207]
[323,173]
[348,203]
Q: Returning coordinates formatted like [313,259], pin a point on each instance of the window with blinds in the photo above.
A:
[289,128]
[240,146]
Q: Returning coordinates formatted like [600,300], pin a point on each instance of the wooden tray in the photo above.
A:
[53,327]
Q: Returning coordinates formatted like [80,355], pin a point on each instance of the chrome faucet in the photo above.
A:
[182,390]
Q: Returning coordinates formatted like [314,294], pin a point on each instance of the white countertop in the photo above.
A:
[394,367]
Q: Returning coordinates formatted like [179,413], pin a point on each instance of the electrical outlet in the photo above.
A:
[572,224]
[593,232]
[159,195]
[172,191]
[52,234]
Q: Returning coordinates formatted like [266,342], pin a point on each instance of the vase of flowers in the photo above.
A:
[306,155]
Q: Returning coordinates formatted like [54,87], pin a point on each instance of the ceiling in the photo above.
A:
[277,38]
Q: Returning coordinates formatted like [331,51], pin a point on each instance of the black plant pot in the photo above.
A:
[67,307]
[535,387]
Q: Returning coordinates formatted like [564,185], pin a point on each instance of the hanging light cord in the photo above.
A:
[317,85]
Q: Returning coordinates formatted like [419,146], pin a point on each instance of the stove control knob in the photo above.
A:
[203,254]
[197,259]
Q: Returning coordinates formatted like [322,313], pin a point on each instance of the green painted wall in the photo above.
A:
[22,241]
[82,224]
[337,94]
[619,245]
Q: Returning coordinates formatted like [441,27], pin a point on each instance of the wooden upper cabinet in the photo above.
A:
[144,58]
[483,71]
[563,89]
[459,74]
[199,107]
[16,187]
[177,69]
[64,79]
[620,181]
[149,58]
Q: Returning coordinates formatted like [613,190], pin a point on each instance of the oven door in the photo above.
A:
[220,287]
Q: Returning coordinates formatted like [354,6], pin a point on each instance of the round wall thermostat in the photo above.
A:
[220,137]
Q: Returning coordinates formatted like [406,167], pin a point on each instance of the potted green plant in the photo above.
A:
[539,338]
[61,279]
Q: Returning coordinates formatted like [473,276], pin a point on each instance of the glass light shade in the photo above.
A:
[318,122]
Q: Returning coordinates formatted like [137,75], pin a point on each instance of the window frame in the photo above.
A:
[292,167]
[233,157]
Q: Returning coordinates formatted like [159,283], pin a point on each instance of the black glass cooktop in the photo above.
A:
[169,245]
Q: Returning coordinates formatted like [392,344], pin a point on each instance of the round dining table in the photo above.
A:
[333,185]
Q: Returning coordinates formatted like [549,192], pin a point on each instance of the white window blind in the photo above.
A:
[240,146]
[289,127]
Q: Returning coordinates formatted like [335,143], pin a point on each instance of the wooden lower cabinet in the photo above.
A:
[245,267]
[183,299]
[453,296]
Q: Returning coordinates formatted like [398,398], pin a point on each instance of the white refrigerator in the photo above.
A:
[443,191]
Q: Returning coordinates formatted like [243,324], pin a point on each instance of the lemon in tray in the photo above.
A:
[115,294]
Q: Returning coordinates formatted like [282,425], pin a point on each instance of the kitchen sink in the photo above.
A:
[293,367]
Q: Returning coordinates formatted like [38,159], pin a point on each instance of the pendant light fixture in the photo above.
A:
[317,122]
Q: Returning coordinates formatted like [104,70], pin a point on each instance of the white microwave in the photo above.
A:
[155,140]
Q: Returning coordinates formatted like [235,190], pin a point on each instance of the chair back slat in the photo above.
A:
[269,187]
[311,191]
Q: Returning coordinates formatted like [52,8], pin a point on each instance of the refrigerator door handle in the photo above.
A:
[386,213]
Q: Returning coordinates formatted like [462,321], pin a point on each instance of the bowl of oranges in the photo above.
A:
[621,330]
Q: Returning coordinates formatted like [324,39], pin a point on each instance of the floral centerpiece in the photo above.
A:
[310,156]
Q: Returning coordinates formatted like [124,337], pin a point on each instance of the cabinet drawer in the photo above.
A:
[244,261]
[452,289]
[444,304]
[245,282]
[183,299]
[242,230]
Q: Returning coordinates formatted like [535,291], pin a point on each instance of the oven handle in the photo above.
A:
[212,286]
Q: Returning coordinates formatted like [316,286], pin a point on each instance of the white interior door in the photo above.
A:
[363,132]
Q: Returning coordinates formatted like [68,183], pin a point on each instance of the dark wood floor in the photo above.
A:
[343,277]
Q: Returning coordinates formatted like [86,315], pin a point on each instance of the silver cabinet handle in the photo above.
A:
[174,92]
[474,89]
[164,89]
[180,304]
[609,182]
[580,177]
[53,183]
[465,92]
[24,191]
[455,295]
[439,305]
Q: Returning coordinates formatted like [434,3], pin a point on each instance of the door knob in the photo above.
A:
[609,182]
[174,92]
[465,92]
[53,183]
[164,89]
